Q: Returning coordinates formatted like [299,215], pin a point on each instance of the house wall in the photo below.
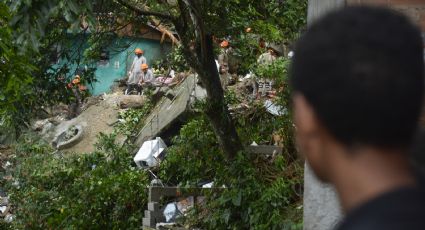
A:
[121,59]
[414,9]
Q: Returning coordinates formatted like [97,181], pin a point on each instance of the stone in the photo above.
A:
[131,101]
[153,206]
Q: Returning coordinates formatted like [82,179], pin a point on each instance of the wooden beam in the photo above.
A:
[264,149]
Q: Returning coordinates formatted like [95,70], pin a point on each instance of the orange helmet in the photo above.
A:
[224,44]
[138,51]
[144,66]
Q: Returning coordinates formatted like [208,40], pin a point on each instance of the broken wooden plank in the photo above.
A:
[264,149]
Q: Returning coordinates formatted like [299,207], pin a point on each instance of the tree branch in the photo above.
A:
[145,12]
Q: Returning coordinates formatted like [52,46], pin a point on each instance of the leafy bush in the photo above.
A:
[194,156]
[131,120]
[260,194]
[97,190]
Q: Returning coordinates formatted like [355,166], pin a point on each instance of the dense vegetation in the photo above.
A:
[103,189]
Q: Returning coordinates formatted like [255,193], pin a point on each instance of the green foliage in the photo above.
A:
[96,190]
[16,81]
[174,60]
[258,196]
[278,72]
[260,193]
[131,120]
[194,156]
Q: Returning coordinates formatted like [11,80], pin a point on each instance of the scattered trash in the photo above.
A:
[274,109]
[174,210]
[16,184]
[6,165]
[254,143]
[171,212]
[209,185]
[185,204]
[151,153]
[3,209]
[9,218]
[291,54]
[166,225]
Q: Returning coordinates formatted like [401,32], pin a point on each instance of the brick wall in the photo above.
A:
[415,9]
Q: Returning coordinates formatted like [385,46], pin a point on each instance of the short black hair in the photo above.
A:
[362,71]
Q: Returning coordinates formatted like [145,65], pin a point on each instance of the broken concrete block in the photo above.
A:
[153,206]
[170,109]
[148,222]
[153,214]
[131,101]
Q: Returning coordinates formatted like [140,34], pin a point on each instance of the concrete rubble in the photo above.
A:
[170,110]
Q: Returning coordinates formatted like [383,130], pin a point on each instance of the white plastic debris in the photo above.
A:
[274,109]
[151,153]
[291,54]
[3,209]
[209,185]
[9,218]
[171,212]
[7,164]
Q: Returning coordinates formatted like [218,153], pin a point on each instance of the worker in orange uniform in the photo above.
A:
[135,69]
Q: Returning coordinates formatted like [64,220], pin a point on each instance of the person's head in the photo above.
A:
[224,44]
[271,51]
[144,67]
[358,81]
[138,52]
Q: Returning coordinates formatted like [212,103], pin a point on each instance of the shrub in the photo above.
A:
[95,190]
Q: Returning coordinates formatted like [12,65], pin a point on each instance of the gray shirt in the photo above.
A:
[147,77]
[136,69]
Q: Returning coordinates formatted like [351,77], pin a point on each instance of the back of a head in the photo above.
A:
[362,71]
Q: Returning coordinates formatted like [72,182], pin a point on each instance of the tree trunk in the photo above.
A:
[217,110]
[202,60]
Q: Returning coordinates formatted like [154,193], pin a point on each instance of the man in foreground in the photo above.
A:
[358,84]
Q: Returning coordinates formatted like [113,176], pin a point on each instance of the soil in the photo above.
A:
[98,115]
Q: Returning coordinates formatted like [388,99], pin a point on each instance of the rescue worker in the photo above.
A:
[223,64]
[146,77]
[267,58]
[223,57]
[135,66]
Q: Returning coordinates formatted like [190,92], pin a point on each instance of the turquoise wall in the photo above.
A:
[121,55]
[121,58]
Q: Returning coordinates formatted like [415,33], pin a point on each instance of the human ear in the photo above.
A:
[309,140]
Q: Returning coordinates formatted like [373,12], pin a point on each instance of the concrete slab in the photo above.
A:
[170,110]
